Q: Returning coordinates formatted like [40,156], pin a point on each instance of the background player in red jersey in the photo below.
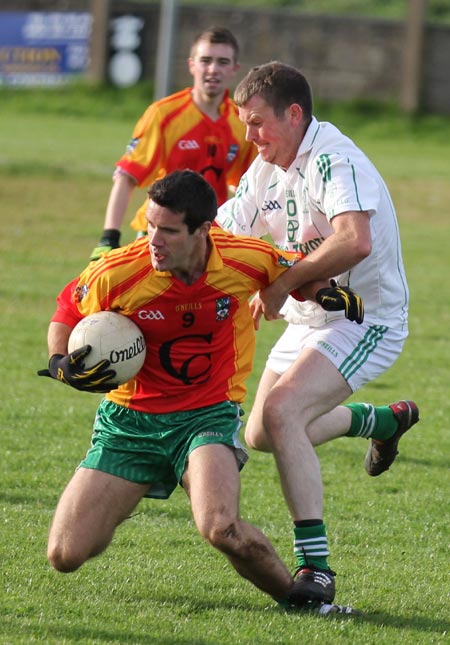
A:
[187,286]
[197,128]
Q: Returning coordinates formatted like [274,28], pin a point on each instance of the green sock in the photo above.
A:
[311,546]
[370,421]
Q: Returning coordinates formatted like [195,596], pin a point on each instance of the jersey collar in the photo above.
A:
[310,137]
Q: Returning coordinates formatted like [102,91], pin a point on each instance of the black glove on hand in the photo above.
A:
[110,240]
[70,370]
[335,298]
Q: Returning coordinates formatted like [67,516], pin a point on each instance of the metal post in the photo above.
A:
[413,56]
[163,72]
[96,73]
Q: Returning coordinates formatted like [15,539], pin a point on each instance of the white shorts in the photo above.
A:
[359,352]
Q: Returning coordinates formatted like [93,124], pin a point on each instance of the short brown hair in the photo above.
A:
[280,86]
[217,35]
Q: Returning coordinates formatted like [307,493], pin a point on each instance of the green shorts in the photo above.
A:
[153,448]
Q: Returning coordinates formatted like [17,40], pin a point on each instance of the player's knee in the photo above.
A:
[255,435]
[63,560]
[251,438]
[277,417]
[224,536]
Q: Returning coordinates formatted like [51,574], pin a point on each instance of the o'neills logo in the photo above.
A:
[120,355]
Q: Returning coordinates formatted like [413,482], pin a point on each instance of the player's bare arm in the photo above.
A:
[58,338]
[119,199]
[308,292]
[347,246]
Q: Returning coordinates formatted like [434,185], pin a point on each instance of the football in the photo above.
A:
[113,337]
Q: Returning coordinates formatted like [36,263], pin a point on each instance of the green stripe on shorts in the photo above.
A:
[362,350]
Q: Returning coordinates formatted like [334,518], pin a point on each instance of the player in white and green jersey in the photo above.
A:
[313,190]
[329,176]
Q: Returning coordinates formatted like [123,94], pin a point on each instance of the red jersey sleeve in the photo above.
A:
[66,310]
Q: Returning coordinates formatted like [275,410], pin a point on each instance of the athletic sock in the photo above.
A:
[310,544]
[370,421]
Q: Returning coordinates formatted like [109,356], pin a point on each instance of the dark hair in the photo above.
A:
[217,35]
[185,191]
[280,86]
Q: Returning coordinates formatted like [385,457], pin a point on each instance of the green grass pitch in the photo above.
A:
[159,583]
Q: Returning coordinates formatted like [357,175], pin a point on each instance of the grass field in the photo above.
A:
[159,583]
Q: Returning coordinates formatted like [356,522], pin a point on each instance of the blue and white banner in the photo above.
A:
[43,48]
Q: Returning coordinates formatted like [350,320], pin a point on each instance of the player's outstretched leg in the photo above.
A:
[381,454]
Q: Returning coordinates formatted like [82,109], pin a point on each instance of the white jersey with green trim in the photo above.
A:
[330,175]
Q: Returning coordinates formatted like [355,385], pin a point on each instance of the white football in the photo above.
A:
[113,337]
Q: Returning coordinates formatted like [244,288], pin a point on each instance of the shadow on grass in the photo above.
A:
[420,623]
[425,624]
[57,634]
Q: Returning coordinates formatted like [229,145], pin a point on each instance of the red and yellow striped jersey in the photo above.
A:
[200,337]
[173,134]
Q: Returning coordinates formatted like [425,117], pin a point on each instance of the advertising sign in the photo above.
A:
[43,48]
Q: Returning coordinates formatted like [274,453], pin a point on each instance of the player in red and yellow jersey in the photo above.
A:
[197,128]
[177,422]
[175,134]
[199,337]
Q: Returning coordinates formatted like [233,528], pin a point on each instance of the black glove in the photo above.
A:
[335,298]
[109,240]
[70,370]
